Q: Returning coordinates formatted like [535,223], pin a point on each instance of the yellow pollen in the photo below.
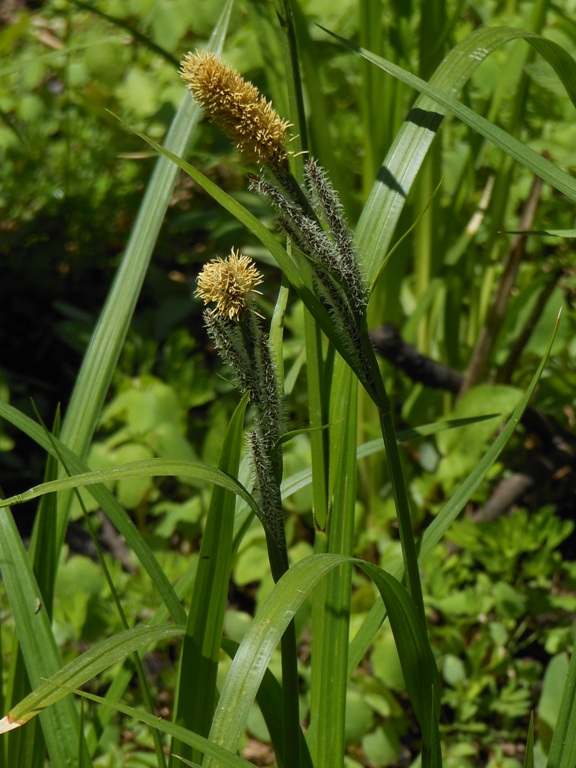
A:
[228,282]
[238,108]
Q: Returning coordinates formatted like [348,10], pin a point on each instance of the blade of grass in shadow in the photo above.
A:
[416,659]
[529,756]
[308,59]
[196,687]
[144,40]
[436,530]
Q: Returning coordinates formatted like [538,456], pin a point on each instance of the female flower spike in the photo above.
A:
[229,283]
[238,108]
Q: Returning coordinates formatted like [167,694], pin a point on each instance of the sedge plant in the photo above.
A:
[335,275]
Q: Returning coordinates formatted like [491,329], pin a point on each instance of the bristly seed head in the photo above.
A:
[238,108]
[229,283]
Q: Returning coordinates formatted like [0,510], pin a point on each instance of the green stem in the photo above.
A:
[378,393]
[290,757]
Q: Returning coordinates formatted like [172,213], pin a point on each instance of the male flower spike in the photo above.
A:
[228,282]
[238,108]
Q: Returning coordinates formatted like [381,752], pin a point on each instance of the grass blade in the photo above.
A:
[61,725]
[399,170]
[331,613]
[563,747]
[84,668]
[255,651]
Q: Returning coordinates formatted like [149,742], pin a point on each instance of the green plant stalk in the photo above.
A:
[375,99]
[279,565]
[427,252]
[317,394]
[267,458]
[317,399]
[427,255]
[409,552]
[316,388]
[319,140]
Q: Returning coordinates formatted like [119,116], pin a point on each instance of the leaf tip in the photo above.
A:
[7,724]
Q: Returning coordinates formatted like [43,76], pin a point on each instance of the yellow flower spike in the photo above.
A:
[228,282]
[238,108]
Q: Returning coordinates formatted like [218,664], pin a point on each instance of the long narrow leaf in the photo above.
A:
[84,668]
[196,690]
[563,747]
[381,212]
[331,616]
[192,470]
[255,651]
[61,724]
